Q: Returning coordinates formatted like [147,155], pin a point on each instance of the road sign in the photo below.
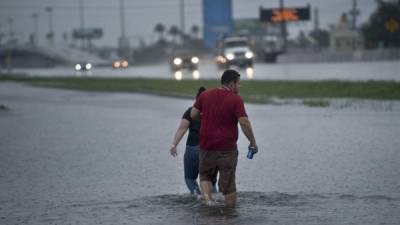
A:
[87,33]
[277,15]
[249,26]
[392,25]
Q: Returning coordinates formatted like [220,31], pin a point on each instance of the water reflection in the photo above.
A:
[250,72]
[178,75]
[196,74]
[252,208]
[83,73]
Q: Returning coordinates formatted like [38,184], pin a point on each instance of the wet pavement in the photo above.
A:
[355,71]
[69,157]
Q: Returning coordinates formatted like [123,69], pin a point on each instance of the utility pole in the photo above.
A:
[354,12]
[36,26]
[122,19]
[124,49]
[317,32]
[182,17]
[9,59]
[283,26]
[82,22]
[10,23]
[1,34]
[50,35]
[316,19]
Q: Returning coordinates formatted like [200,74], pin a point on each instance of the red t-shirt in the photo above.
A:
[220,110]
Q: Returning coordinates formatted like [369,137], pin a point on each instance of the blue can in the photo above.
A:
[251,152]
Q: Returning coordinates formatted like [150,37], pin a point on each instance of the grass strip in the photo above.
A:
[256,91]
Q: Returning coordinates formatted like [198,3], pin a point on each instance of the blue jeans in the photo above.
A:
[191,167]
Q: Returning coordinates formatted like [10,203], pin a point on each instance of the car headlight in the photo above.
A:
[124,64]
[249,55]
[117,64]
[88,66]
[195,60]
[230,56]
[78,67]
[177,61]
[221,59]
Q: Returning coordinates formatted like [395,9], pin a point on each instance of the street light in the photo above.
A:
[10,22]
[1,35]
[36,26]
[50,35]
[182,15]
[82,21]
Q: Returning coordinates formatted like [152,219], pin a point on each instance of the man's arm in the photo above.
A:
[195,113]
[248,131]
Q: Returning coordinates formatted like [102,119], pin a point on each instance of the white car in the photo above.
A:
[235,51]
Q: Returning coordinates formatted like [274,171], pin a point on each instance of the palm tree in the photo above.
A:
[174,31]
[160,28]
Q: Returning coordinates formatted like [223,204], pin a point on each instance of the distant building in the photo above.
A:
[344,38]
[217,21]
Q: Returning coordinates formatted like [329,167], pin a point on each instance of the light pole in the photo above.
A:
[82,22]
[12,41]
[124,48]
[122,19]
[182,18]
[36,26]
[10,23]
[283,25]
[50,35]
[1,34]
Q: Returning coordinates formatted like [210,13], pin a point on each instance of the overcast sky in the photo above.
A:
[142,15]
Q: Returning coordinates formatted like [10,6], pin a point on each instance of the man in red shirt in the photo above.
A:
[221,109]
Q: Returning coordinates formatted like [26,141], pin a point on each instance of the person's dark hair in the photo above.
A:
[201,89]
[228,76]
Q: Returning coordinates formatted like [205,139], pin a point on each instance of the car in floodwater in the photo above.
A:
[83,66]
[183,59]
[120,64]
[234,51]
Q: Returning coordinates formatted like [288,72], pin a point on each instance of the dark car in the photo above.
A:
[84,66]
[120,64]
[183,59]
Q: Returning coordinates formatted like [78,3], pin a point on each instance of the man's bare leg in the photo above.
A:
[206,189]
[230,199]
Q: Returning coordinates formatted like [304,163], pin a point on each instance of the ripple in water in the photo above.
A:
[265,208]
[253,208]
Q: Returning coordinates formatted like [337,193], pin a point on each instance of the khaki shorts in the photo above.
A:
[223,162]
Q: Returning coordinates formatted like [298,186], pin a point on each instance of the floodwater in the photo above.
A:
[69,157]
[355,71]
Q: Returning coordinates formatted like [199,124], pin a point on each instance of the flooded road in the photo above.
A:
[69,157]
[355,71]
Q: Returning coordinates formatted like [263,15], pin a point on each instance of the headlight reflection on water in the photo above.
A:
[250,72]
[178,75]
[196,74]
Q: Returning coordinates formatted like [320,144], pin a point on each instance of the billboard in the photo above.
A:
[277,15]
[249,26]
[87,33]
[217,21]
